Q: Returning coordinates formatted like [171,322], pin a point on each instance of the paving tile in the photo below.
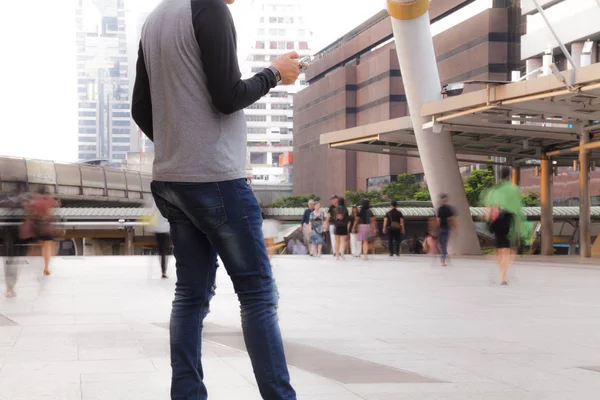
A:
[98,328]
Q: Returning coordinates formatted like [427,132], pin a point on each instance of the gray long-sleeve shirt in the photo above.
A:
[189,96]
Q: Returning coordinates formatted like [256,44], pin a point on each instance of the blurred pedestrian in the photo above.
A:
[393,225]
[446,221]
[355,244]
[305,223]
[504,205]
[431,244]
[159,225]
[416,247]
[39,223]
[12,246]
[317,224]
[330,221]
[341,229]
[367,227]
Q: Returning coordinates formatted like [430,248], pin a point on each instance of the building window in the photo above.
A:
[87,156]
[262,20]
[257,57]
[84,139]
[252,129]
[302,82]
[273,32]
[87,113]
[281,20]
[303,45]
[259,44]
[273,45]
[281,106]
[272,20]
[120,148]
[87,105]
[120,156]
[87,147]
[276,159]
[121,114]
[121,123]
[279,118]
[273,58]
[256,118]
[118,131]
[290,45]
[281,45]
[256,69]
[258,158]
[261,32]
[279,94]
[120,139]
[87,122]
[257,106]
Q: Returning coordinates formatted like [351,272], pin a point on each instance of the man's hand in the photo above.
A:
[288,66]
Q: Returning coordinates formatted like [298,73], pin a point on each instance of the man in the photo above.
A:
[446,222]
[331,219]
[394,223]
[188,98]
[305,223]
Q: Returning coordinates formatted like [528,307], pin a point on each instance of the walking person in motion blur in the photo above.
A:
[355,244]
[39,224]
[504,205]
[160,227]
[189,99]
[446,221]
[12,246]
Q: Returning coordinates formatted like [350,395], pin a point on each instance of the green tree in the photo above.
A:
[356,197]
[403,189]
[478,181]
[531,199]
[423,194]
[299,201]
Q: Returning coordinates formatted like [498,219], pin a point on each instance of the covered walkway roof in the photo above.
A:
[520,121]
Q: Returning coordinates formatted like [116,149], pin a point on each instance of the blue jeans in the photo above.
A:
[221,218]
[444,235]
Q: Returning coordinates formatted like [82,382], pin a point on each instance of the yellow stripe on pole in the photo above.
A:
[406,11]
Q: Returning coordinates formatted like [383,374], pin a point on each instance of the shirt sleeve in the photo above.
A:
[141,104]
[216,36]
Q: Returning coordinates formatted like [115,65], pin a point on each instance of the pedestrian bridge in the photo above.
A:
[91,185]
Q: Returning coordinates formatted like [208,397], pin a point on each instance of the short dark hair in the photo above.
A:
[505,173]
[394,203]
[443,196]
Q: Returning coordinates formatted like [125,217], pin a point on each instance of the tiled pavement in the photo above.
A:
[378,330]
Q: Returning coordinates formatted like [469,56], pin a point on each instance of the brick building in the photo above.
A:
[357,81]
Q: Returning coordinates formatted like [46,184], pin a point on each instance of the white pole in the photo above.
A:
[414,45]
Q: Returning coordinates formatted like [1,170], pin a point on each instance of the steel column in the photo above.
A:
[129,236]
[584,196]
[547,219]
[516,175]
[416,55]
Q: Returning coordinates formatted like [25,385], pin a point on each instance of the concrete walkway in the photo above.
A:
[378,330]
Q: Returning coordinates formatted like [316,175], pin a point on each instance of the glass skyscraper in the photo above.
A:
[104,120]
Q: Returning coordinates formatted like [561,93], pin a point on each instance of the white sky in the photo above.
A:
[38,81]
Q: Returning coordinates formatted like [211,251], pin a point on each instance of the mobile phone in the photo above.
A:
[304,62]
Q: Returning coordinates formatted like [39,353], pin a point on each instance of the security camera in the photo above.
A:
[453,89]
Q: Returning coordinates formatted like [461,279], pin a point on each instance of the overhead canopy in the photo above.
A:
[519,121]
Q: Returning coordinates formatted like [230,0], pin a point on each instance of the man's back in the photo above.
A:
[193,141]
